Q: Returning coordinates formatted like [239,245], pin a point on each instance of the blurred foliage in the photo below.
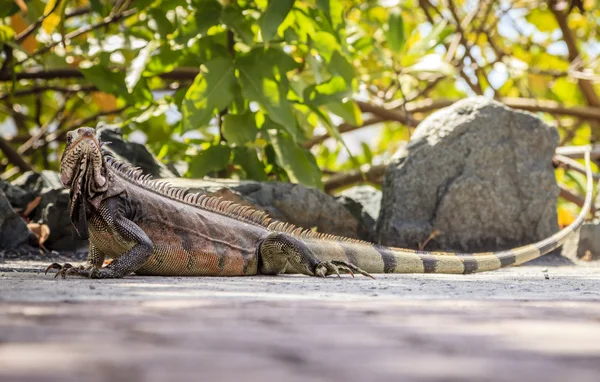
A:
[241,88]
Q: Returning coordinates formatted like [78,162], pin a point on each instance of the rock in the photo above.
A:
[53,209]
[588,247]
[13,228]
[479,173]
[17,196]
[293,203]
[35,182]
[134,153]
[364,203]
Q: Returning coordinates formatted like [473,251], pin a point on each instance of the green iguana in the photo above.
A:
[150,228]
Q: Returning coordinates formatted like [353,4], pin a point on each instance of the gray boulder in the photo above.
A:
[588,246]
[134,153]
[13,228]
[293,203]
[363,202]
[17,196]
[479,173]
[53,209]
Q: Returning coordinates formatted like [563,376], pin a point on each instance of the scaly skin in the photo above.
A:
[150,228]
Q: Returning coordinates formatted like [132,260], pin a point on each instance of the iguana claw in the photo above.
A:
[88,271]
[327,268]
[60,269]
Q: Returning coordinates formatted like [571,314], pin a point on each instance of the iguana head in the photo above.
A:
[83,170]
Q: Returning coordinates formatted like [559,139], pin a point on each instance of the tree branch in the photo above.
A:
[179,74]
[40,89]
[81,31]
[371,174]
[29,30]
[551,107]
[571,164]
[586,87]
[58,134]
[567,195]
[343,128]
[387,114]
[13,157]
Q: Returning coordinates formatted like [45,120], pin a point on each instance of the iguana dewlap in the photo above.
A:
[150,228]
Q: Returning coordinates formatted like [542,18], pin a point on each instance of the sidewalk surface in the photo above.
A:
[519,324]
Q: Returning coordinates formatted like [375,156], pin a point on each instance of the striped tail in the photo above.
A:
[380,259]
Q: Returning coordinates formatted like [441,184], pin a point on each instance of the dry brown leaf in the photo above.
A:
[31,206]
[41,231]
[19,25]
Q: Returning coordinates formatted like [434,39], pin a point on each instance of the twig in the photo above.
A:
[577,152]
[27,146]
[387,114]
[83,122]
[546,106]
[40,89]
[586,86]
[14,157]
[78,12]
[566,194]
[571,164]
[50,74]
[371,174]
[81,31]
[343,128]
[23,35]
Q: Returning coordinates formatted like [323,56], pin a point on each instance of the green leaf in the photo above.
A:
[340,65]
[246,158]
[239,129]
[165,61]
[208,14]
[429,41]
[163,25]
[134,71]
[348,110]
[276,12]
[263,79]
[543,20]
[6,33]
[298,163]
[213,158]
[213,89]
[395,32]
[333,9]
[325,43]
[234,19]
[9,10]
[367,152]
[334,90]
[106,80]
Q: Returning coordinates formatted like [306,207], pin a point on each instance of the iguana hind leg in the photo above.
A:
[278,250]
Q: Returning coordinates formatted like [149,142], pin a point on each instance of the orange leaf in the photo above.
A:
[105,101]
[31,206]
[19,25]
[565,217]
[41,231]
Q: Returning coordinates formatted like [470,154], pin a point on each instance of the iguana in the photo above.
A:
[151,228]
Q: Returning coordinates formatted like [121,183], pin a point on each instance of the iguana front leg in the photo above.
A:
[278,250]
[95,260]
[127,263]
